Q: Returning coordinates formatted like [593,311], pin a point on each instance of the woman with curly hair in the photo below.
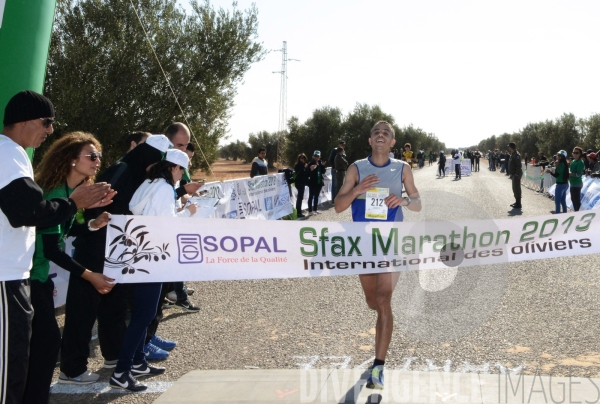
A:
[69,162]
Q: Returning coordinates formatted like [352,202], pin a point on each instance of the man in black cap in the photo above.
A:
[28,119]
[516,172]
[331,161]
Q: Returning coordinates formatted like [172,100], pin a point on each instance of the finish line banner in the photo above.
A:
[159,249]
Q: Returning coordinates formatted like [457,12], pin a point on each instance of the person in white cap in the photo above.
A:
[154,197]
[84,302]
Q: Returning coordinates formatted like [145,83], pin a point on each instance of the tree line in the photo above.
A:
[550,136]
[103,77]
[323,130]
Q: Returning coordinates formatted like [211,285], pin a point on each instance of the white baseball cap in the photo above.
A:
[160,142]
[178,157]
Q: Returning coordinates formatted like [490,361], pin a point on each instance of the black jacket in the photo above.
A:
[301,175]
[89,247]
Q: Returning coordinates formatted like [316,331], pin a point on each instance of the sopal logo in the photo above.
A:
[191,247]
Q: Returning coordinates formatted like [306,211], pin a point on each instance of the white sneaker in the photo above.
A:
[86,377]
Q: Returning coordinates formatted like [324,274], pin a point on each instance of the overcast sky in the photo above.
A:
[463,70]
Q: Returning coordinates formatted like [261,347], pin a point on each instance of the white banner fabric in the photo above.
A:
[157,249]
[465,167]
[60,277]
[264,197]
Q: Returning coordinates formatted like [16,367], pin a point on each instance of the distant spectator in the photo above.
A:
[515,171]
[442,165]
[526,159]
[300,181]
[135,138]
[577,169]
[594,166]
[315,183]
[341,165]
[561,173]
[456,162]
[542,163]
[408,154]
[331,161]
[259,164]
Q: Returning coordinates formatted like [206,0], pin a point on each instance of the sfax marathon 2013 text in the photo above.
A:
[535,238]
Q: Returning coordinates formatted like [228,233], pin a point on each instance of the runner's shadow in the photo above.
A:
[353,392]
[515,212]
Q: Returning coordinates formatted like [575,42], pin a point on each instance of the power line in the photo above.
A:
[172,92]
[282,99]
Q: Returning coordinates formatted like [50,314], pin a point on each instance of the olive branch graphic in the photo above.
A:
[134,251]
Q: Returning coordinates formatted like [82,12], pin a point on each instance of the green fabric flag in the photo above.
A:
[25,31]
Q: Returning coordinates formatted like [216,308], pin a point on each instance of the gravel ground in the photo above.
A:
[537,314]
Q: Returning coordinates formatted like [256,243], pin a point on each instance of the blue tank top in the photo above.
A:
[390,176]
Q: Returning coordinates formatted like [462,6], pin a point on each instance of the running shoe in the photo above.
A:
[154,353]
[375,380]
[186,305]
[172,296]
[126,382]
[163,344]
[167,304]
[86,377]
[146,370]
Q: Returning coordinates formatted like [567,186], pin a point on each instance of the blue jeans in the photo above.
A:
[145,303]
[560,197]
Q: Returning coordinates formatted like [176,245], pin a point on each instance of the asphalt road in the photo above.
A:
[536,315]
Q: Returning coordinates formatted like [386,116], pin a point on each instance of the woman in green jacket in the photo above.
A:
[70,161]
[577,170]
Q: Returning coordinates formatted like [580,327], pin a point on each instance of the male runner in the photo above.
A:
[378,170]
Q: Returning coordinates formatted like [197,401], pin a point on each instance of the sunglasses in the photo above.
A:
[93,156]
[575,152]
[182,168]
[47,122]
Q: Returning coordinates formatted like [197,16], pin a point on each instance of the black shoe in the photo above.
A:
[186,305]
[126,382]
[146,370]
[300,215]
[517,206]
[513,204]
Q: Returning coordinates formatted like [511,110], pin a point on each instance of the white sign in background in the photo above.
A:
[465,167]
[262,198]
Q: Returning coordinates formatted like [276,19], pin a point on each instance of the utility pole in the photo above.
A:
[282,100]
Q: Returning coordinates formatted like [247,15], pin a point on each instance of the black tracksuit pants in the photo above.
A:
[44,345]
[16,314]
[84,304]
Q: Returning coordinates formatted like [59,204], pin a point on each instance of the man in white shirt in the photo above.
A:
[28,119]
[456,162]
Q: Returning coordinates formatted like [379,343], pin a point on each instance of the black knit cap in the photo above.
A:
[27,105]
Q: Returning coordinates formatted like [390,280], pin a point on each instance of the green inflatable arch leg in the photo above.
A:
[25,31]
